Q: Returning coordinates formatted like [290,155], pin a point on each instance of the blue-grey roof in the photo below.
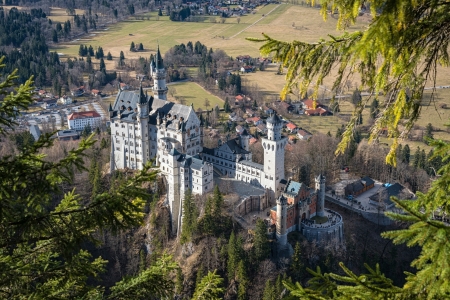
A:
[125,105]
[176,114]
[35,132]
[293,187]
[252,164]
[274,119]
[195,162]
[174,152]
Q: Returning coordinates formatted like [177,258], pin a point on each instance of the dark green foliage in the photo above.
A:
[356,97]
[242,278]
[210,287]
[44,229]
[428,133]
[121,56]
[102,66]
[109,56]
[374,109]
[160,12]
[261,246]
[141,47]
[23,140]
[55,36]
[86,131]
[406,154]
[269,291]
[190,215]
[179,283]
[297,266]
[132,46]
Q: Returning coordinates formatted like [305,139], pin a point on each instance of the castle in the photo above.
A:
[149,128]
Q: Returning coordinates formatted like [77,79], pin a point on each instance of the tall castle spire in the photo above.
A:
[159,77]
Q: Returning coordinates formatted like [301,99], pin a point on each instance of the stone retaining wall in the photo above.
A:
[374,217]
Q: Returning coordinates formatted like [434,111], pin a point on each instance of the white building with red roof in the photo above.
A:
[79,120]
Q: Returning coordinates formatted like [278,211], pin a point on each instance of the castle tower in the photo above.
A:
[320,189]
[281,221]
[143,108]
[173,188]
[244,139]
[273,153]
[159,77]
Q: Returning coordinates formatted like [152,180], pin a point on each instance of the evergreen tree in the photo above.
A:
[232,256]
[218,203]
[297,263]
[160,12]
[374,109]
[190,215]
[141,47]
[121,56]
[406,154]
[45,230]
[208,225]
[55,36]
[132,46]
[416,161]
[261,242]
[109,56]
[179,282]
[102,66]
[423,160]
[242,278]
[401,62]
[81,51]
[269,291]
[428,133]
[356,97]
[91,50]
[209,288]
[199,275]
[23,140]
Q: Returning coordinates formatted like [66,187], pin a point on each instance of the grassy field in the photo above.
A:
[279,23]
[191,92]
[286,22]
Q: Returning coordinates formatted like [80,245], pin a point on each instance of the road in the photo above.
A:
[254,22]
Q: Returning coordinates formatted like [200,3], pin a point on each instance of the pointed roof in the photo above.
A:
[142,97]
[159,60]
[110,107]
[244,132]
[274,119]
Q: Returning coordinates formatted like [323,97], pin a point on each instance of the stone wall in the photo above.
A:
[252,203]
[374,217]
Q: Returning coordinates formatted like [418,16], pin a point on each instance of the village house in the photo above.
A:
[291,127]
[262,128]
[253,141]
[250,112]
[67,135]
[255,121]
[79,120]
[95,92]
[266,110]
[303,134]
[245,59]
[247,69]
[77,92]
[64,100]
[49,103]
[239,100]
[383,197]
[124,86]
[239,129]
[358,187]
